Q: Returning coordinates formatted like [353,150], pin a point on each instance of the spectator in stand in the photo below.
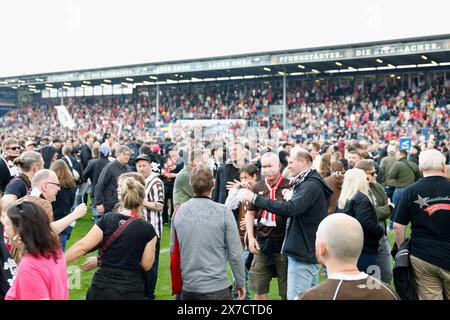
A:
[65,198]
[426,205]
[105,194]
[354,201]
[339,252]
[42,273]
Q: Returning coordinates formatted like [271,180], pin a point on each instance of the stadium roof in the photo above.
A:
[388,56]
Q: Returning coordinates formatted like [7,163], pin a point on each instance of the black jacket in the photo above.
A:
[5,175]
[307,208]
[93,170]
[62,206]
[226,172]
[105,192]
[360,208]
[85,155]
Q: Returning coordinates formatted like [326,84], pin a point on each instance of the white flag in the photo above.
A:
[64,117]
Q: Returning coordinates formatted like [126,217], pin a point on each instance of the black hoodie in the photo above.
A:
[306,209]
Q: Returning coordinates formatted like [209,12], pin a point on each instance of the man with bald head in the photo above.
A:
[265,242]
[339,243]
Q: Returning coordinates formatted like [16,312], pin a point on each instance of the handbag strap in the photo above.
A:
[116,233]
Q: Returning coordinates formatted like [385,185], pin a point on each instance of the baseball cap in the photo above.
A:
[156,148]
[104,150]
[143,157]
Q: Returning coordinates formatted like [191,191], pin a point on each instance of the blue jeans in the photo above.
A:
[397,194]
[97,215]
[384,260]
[301,277]
[64,236]
[151,276]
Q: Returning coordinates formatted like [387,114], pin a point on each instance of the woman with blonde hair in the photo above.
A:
[354,201]
[127,246]
[65,197]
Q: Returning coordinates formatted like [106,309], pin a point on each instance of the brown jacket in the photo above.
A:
[45,204]
[335,183]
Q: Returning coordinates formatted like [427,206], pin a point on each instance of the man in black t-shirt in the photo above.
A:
[426,204]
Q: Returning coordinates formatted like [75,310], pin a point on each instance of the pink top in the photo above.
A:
[40,279]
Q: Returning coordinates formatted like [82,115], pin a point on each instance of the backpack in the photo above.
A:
[403,275]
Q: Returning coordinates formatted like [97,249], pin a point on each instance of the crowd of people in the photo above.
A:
[289,210]
[373,110]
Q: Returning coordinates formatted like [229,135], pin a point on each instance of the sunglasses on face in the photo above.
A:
[13,148]
[372,173]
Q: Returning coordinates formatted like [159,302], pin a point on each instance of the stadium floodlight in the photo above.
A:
[48,85]
[129,79]
[22,81]
[392,75]
[39,79]
[297,74]
[379,61]
[338,64]
[332,71]
[146,83]
[67,84]
[267,69]
[237,78]
[406,66]
[367,69]
[107,81]
[434,62]
[153,77]
[399,77]
[301,66]
[223,78]
[249,77]
[391,66]
[424,57]
[87,82]
[14,87]
[281,73]
[31,86]
[315,71]
[426,65]
[444,64]
[184,81]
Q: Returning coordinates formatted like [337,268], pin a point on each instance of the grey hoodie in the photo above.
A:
[208,237]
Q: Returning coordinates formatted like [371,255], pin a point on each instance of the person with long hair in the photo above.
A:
[354,200]
[383,208]
[42,273]
[129,254]
[29,162]
[65,197]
